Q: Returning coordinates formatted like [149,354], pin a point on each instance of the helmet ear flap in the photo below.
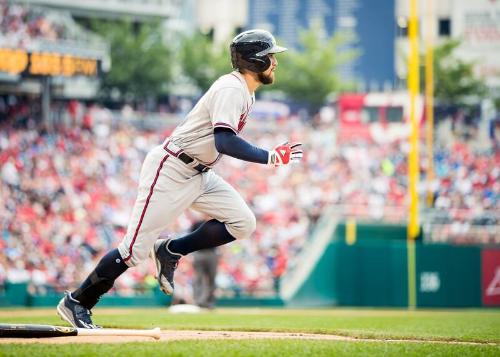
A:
[252,63]
[261,63]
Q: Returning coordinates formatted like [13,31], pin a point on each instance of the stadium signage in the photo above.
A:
[490,260]
[20,62]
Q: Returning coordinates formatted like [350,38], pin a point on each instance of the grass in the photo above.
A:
[259,348]
[443,325]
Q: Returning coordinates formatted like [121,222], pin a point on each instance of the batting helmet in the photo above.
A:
[250,49]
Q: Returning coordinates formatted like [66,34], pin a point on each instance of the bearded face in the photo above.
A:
[266,77]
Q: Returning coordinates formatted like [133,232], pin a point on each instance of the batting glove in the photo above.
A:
[284,154]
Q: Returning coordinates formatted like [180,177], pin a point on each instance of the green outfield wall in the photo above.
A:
[369,268]
[16,295]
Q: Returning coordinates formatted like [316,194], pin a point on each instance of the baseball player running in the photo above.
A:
[177,175]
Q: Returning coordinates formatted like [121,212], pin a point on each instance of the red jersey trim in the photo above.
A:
[225,125]
[151,189]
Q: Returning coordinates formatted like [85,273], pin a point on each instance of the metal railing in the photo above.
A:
[385,214]
[461,226]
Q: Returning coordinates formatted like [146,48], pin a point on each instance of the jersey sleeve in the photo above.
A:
[226,108]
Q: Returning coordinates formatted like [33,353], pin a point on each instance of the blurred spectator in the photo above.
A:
[21,24]
[205,263]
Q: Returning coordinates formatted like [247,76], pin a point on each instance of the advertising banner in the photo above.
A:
[490,260]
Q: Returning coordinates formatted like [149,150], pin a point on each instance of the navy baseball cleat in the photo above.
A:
[71,311]
[166,263]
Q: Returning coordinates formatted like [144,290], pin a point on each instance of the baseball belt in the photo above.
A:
[173,150]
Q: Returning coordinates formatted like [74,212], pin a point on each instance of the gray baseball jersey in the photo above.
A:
[226,104]
[168,185]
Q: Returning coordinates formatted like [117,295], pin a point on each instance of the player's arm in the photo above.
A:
[228,143]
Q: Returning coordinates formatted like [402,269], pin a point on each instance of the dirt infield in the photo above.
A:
[176,335]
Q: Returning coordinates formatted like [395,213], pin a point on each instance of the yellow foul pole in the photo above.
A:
[429,98]
[413,162]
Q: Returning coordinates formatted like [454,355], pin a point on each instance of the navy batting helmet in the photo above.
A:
[250,49]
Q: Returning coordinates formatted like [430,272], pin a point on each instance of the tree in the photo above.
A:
[140,61]
[203,61]
[311,74]
[454,78]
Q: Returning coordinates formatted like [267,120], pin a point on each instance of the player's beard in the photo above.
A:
[265,79]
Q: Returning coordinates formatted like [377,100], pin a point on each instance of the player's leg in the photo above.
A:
[198,268]
[202,298]
[204,295]
[75,306]
[161,197]
[167,252]
[232,220]
[211,273]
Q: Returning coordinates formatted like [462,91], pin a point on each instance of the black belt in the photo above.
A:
[185,158]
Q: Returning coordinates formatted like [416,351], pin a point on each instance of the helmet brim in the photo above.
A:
[274,49]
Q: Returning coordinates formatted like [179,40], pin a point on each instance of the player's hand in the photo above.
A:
[284,154]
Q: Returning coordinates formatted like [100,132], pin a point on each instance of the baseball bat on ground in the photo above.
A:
[38,331]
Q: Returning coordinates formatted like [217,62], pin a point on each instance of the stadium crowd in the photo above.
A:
[65,198]
[21,24]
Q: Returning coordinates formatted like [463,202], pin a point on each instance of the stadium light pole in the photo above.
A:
[429,98]
[413,160]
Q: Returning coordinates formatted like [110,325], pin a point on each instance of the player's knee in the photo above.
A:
[246,226]
[252,224]
[134,260]
[132,257]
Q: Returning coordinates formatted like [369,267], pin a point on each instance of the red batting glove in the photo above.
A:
[284,154]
